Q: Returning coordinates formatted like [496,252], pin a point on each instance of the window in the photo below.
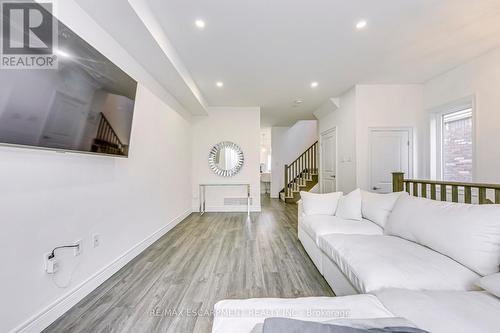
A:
[455,134]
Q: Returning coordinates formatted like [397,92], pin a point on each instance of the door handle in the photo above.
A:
[375,188]
[333,176]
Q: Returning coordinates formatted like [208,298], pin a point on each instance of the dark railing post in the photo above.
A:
[482,196]
[308,159]
[398,181]
[301,168]
[286,180]
[316,157]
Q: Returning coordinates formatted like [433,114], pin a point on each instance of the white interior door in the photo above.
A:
[64,123]
[329,161]
[390,151]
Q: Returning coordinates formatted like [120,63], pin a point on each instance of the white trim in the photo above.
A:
[320,166]
[436,133]
[230,209]
[411,151]
[47,316]
[457,105]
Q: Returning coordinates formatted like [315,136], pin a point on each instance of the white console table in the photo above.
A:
[203,192]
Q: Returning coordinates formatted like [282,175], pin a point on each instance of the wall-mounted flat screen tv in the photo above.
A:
[86,104]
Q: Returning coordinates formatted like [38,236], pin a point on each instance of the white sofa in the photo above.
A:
[412,258]
[433,311]
[312,228]
[417,244]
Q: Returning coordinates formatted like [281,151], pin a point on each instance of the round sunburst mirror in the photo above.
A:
[226,159]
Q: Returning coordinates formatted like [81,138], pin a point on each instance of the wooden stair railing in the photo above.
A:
[106,140]
[301,170]
[429,189]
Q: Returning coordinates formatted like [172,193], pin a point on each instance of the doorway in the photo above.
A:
[391,150]
[328,182]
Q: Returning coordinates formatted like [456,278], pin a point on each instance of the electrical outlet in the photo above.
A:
[77,250]
[96,240]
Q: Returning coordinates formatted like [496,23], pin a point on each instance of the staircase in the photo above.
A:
[300,175]
[106,140]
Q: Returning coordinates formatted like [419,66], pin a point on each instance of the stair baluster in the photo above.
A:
[106,140]
[300,174]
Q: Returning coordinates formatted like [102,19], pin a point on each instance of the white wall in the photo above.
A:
[343,119]
[388,106]
[302,135]
[287,144]
[240,125]
[265,155]
[479,78]
[265,148]
[364,107]
[278,141]
[49,199]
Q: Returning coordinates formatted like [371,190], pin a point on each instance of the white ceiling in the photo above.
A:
[267,52]
[119,19]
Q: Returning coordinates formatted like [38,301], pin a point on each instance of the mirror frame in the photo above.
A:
[213,155]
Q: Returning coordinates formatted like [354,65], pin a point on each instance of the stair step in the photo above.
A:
[301,174]
[282,197]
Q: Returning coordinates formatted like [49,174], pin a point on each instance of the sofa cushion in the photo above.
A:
[319,225]
[320,204]
[470,234]
[290,325]
[491,284]
[376,262]
[349,206]
[233,315]
[445,311]
[376,207]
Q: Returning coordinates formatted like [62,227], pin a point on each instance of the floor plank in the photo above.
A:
[202,260]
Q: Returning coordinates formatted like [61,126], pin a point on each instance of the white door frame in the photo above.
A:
[320,169]
[410,151]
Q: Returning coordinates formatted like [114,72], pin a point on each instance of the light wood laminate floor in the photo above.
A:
[199,262]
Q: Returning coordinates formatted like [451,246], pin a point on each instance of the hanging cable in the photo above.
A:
[53,253]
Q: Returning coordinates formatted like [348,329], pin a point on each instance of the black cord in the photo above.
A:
[52,254]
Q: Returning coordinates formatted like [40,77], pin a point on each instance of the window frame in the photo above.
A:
[437,167]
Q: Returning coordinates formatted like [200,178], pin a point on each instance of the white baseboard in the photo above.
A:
[47,316]
[229,209]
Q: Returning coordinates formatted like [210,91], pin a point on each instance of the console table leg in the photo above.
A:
[204,195]
[248,200]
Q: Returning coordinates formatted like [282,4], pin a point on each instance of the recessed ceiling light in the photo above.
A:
[199,24]
[219,84]
[298,101]
[361,24]
[314,84]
